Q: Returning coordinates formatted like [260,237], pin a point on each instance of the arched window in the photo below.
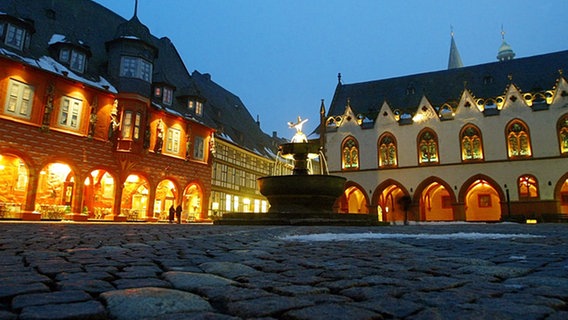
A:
[528,187]
[563,134]
[471,143]
[518,140]
[387,151]
[350,154]
[428,147]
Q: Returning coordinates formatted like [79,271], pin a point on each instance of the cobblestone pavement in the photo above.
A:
[162,271]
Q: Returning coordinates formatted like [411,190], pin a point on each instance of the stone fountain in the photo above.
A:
[301,198]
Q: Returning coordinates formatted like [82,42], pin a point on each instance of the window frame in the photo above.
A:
[15,31]
[528,181]
[73,112]
[471,139]
[198,148]
[167,96]
[511,132]
[433,142]
[19,99]
[380,143]
[173,140]
[135,67]
[347,149]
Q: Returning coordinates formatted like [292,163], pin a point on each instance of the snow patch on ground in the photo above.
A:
[433,236]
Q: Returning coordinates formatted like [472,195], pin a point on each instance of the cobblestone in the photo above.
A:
[193,271]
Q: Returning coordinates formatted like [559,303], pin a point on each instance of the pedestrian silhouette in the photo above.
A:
[178,213]
[172,213]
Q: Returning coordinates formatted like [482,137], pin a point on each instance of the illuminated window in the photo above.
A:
[127,125]
[19,99]
[350,154]
[428,147]
[168,96]
[70,113]
[471,144]
[387,151]
[134,67]
[173,140]
[137,120]
[198,108]
[518,140]
[563,134]
[528,187]
[198,148]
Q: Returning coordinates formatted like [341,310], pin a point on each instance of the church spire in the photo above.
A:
[455,60]
[505,51]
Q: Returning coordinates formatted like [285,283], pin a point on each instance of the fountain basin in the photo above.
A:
[301,194]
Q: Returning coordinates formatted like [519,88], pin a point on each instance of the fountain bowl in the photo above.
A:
[301,194]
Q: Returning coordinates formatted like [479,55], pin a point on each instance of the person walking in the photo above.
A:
[178,213]
[172,213]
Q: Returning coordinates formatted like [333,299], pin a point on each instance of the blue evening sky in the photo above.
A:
[281,57]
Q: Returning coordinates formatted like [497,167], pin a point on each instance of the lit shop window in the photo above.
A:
[19,99]
[528,187]
[70,113]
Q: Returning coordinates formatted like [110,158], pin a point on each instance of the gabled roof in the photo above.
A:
[530,74]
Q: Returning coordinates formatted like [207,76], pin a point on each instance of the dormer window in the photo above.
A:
[195,107]
[198,108]
[15,32]
[167,96]
[157,92]
[75,59]
[15,36]
[69,52]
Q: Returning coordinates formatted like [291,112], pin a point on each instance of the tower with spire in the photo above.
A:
[505,51]
[455,60]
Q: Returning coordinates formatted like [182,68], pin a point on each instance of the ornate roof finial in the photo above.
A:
[505,51]
[339,78]
[135,8]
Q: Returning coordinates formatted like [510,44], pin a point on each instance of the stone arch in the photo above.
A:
[354,199]
[490,199]
[193,202]
[561,193]
[436,199]
[386,200]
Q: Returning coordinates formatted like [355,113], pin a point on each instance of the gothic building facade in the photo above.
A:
[478,143]
[103,120]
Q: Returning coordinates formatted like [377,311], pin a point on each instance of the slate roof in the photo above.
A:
[94,25]
[531,74]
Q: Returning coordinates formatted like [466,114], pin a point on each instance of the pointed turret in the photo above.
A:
[505,51]
[455,60]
